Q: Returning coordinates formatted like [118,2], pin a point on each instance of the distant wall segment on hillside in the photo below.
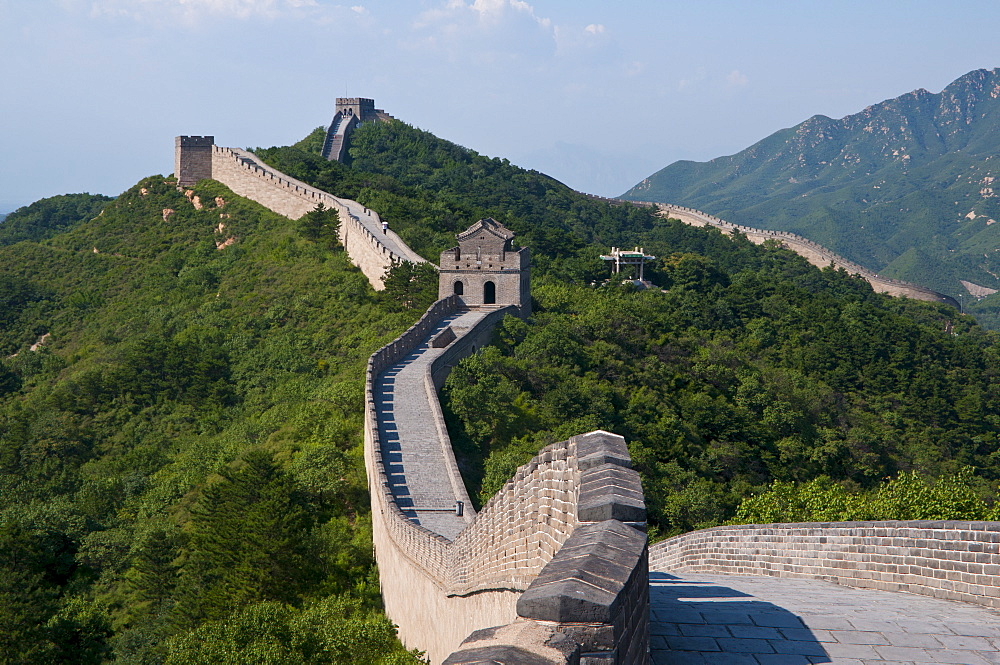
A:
[374,252]
[812,252]
[519,580]
[944,559]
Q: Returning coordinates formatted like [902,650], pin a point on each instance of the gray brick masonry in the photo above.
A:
[450,576]
[942,559]
[197,158]
[446,577]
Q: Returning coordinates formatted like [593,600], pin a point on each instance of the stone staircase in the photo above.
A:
[336,137]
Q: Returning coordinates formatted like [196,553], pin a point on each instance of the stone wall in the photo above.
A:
[813,252]
[440,591]
[192,159]
[245,174]
[951,560]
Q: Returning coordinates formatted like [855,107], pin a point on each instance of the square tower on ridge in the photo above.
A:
[485,269]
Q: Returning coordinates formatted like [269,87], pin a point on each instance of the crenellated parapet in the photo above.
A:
[944,559]
[372,250]
[554,565]
[485,268]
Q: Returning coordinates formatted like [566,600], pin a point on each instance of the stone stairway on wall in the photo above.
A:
[524,567]
[336,137]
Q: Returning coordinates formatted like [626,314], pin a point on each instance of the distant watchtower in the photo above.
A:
[192,159]
[485,269]
[351,112]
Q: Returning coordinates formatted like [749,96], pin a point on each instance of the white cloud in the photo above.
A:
[483,31]
[359,9]
[737,79]
[192,10]
[486,13]
[574,41]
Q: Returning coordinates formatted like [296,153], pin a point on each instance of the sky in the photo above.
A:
[596,93]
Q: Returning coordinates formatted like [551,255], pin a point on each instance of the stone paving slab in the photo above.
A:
[699,618]
[411,444]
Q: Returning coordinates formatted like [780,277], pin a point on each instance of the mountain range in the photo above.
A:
[906,187]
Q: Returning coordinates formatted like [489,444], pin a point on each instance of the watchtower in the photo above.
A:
[192,159]
[485,269]
[351,112]
[361,107]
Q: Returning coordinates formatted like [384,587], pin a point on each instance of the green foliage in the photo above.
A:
[907,496]
[887,187]
[321,225]
[47,217]
[250,540]
[430,189]
[751,368]
[313,142]
[39,621]
[186,440]
[329,632]
[411,285]
[181,472]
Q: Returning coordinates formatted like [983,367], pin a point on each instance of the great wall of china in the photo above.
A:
[812,252]
[555,568]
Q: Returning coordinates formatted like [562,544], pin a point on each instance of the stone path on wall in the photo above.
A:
[408,412]
[367,217]
[371,220]
[735,620]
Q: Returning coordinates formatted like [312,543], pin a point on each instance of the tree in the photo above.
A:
[411,285]
[321,225]
[250,541]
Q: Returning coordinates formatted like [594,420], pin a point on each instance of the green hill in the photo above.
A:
[911,172]
[751,367]
[47,217]
[185,440]
[181,478]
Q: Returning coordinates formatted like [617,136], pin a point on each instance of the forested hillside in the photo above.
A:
[181,379]
[751,367]
[905,187]
[180,454]
[47,217]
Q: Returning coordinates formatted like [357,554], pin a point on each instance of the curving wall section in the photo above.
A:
[554,558]
[943,559]
[554,568]
[244,173]
[813,252]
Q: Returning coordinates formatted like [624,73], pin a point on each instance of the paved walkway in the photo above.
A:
[368,218]
[371,221]
[412,444]
[735,620]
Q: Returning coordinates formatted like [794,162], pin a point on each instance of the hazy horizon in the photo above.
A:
[597,95]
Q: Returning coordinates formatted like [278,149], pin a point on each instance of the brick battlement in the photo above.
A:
[197,158]
[943,559]
[195,141]
[572,510]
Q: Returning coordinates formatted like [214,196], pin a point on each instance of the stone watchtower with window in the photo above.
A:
[485,269]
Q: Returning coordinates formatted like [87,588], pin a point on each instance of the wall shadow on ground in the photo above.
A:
[698,622]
